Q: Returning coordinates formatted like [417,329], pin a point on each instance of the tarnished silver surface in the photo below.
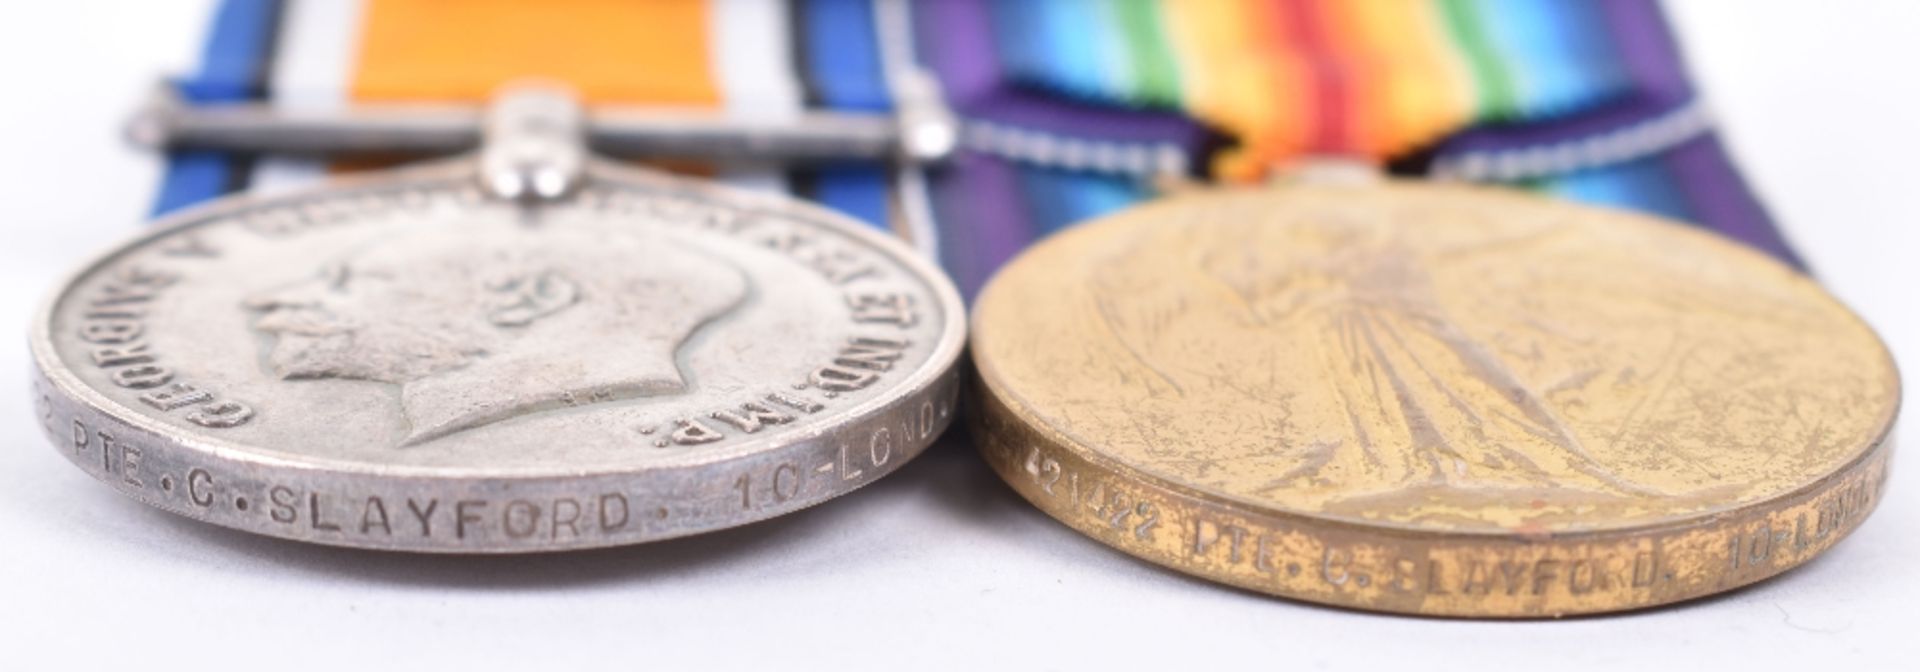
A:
[405,362]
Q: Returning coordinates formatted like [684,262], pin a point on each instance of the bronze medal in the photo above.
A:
[1432,399]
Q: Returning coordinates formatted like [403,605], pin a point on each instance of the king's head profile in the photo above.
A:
[478,325]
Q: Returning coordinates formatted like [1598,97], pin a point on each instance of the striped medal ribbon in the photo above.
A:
[1069,108]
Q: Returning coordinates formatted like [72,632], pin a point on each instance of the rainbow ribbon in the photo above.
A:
[1587,100]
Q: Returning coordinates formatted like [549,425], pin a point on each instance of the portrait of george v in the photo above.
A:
[476,325]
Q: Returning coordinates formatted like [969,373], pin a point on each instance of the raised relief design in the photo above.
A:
[1389,397]
[478,325]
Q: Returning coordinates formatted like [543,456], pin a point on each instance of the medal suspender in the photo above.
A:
[750,59]
[1071,109]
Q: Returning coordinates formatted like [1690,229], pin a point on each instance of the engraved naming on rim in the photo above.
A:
[626,355]
[1432,398]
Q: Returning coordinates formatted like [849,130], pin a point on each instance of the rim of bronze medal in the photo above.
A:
[1577,564]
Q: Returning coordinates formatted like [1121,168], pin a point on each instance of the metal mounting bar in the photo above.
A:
[921,131]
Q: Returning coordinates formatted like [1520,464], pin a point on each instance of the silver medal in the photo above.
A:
[524,351]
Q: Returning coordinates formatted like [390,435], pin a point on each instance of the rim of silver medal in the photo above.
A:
[565,353]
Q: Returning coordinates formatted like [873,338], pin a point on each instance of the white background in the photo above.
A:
[939,566]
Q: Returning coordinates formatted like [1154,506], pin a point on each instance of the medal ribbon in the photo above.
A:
[1068,105]
[1587,101]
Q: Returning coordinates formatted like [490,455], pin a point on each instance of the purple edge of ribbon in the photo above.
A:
[955,38]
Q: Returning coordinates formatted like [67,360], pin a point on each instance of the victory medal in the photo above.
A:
[1432,399]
